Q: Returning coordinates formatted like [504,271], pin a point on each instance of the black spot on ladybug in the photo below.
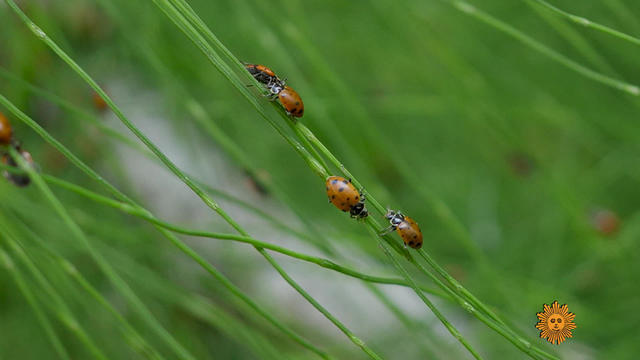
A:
[341,189]
[357,198]
[333,196]
[415,236]
[297,103]
[343,204]
[345,181]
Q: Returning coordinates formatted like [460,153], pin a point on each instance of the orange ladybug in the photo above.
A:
[406,227]
[343,195]
[6,133]
[288,97]
[17,179]
[291,101]
[98,102]
[261,73]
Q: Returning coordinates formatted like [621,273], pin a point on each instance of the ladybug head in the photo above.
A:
[275,86]
[394,217]
[358,210]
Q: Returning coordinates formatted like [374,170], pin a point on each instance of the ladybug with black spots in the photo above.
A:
[19,180]
[406,227]
[288,97]
[6,133]
[291,102]
[343,195]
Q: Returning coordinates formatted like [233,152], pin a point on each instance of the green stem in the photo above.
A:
[588,23]
[79,235]
[6,261]
[452,330]
[471,10]
[61,309]
[326,263]
[174,240]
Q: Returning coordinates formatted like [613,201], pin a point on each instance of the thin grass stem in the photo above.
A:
[173,239]
[471,10]
[104,265]
[588,23]
[8,264]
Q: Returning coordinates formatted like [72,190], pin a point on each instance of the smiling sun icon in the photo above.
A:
[556,323]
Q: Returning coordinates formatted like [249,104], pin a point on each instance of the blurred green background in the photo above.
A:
[522,173]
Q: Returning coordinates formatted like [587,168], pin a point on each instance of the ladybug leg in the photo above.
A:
[269,95]
[387,230]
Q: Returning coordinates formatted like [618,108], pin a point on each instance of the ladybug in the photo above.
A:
[17,179]
[99,103]
[261,73]
[406,227]
[343,195]
[288,97]
[291,101]
[6,133]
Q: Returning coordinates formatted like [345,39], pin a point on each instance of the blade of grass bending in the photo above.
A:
[206,199]
[198,113]
[573,37]
[471,10]
[174,240]
[411,325]
[587,23]
[8,264]
[494,323]
[323,262]
[298,125]
[452,330]
[141,279]
[216,60]
[140,344]
[339,165]
[154,283]
[104,265]
[500,328]
[61,310]
[182,23]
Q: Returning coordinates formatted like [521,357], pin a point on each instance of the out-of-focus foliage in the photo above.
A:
[437,114]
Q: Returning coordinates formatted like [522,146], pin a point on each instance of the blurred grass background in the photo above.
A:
[436,113]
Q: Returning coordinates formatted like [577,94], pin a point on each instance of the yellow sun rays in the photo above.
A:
[556,323]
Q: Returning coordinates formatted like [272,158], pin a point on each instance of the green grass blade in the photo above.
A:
[471,10]
[104,265]
[8,264]
[588,23]
[452,330]
[58,305]
[174,240]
